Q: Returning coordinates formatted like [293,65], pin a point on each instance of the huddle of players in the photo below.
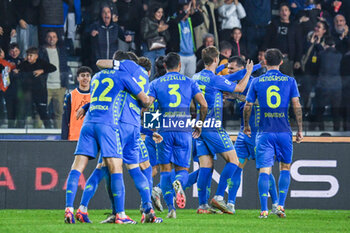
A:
[112,126]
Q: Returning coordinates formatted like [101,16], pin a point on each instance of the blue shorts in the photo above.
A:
[175,148]
[94,137]
[143,152]
[129,136]
[245,146]
[152,150]
[271,147]
[213,142]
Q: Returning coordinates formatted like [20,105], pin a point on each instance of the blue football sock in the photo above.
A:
[91,186]
[172,175]
[234,186]
[148,174]
[283,186]
[107,178]
[192,179]
[204,176]
[118,191]
[142,186]
[225,178]
[273,189]
[263,186]
[209,186]
[167,189]
[182,176]
[72,186]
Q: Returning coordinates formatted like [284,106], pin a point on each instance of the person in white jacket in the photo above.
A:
[230,15]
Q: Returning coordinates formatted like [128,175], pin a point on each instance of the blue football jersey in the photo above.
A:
[105,103]
[174,93]
[212,87]
[131,108]
[274,91]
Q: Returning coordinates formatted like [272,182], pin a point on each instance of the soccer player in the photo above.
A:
[174,93]
[73,101]
[215,140]
[101,131]
[129,129]
[274,91]
[244,145]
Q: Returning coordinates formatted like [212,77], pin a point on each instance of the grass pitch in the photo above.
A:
[187,221]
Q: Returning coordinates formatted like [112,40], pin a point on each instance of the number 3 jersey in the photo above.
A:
[274,91]
[106,102]
[174,93]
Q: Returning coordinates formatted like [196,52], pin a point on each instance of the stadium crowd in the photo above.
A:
[39,37]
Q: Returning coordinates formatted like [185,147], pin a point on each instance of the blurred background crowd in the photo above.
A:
[43,42]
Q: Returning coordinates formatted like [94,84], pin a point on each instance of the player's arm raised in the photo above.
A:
[246,116]
[199,98]
[240,87]
[107,63]
[299,118]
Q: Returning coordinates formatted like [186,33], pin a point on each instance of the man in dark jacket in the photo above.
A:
[27,17]
[329,84]
[341,33]
[105,34]
[182,38]
[57,82]
[7,23]
[283,35]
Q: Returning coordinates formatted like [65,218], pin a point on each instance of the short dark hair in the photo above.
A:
[329,40]
[236,28]
[239,61]
[159,65]
[49,31]
[133,57]
[172,60]
[209,54]
[13,45]
[84,69]
[224,45]
[284,4]
[145,63]
[32,50]
[120,55]
[273,57]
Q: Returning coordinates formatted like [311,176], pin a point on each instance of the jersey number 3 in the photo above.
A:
[173,91]
[270,92]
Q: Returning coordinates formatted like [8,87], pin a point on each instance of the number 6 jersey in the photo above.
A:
[274,91]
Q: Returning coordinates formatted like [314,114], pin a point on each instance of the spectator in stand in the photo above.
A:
[208,40]
[345,73]
[97,5]
[57,81]
[225,54]
[341,33]
[33,72]
[105,34]
[72,18]
[283,35]
[72,102]
[5,87]
[130,14]
[28,20]
[13,101]
[208,26]
[7,23]
[328,85]
[51,18]
[314,45]
[256,23]
[182,38]
[262,61]
[230,15]
[239,47]
[153,29]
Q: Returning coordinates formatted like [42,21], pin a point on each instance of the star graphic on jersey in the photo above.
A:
[156,115]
